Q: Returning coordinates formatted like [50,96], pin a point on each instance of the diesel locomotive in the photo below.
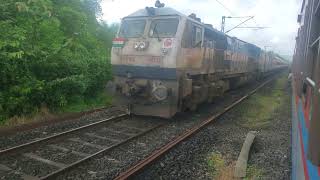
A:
[165,62]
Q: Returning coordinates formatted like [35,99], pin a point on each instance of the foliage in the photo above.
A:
[218,168]
[254,172]
[51,51]
[215,163]
[79,104]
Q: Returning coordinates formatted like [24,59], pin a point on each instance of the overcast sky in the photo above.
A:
[279,15]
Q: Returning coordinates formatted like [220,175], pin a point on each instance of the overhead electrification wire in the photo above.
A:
[225,7]
[242,22]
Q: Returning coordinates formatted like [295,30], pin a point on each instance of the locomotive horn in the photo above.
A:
[158,4]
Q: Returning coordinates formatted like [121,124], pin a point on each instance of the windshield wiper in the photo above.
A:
[155,31]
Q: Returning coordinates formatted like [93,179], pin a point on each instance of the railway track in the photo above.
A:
[164,149]
[59,154]
[48,157]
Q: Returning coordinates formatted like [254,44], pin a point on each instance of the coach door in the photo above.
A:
[208,54]
[192,51]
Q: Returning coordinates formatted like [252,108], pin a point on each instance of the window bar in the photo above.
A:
[311,82]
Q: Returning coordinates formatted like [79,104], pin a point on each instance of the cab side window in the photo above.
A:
[192,37]
[197,36]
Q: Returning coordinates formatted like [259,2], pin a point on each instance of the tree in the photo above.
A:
[51,51]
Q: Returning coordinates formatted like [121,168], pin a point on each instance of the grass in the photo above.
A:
[256,112]
[215,163]
[253,172]
[220,169]
[259,108]
[84,104]
[78,105]
[39,115]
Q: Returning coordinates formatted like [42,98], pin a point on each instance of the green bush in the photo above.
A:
[52,52]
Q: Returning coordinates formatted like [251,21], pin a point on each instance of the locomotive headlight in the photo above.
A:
[142,45]
[136,45]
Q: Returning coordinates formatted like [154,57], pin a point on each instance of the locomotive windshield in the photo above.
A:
[163,28]
[132,28]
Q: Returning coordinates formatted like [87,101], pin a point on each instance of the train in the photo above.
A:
[165,62]
[306,94]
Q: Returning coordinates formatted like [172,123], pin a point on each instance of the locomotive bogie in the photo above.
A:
[141,96]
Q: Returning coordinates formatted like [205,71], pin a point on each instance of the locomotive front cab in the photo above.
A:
[143,60]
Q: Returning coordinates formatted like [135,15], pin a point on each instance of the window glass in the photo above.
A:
[197,36]
[132,28]
[163,28]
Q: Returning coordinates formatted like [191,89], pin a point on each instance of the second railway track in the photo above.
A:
[46,158]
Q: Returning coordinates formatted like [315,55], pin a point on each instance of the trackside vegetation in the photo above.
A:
[220,168]
[53,54]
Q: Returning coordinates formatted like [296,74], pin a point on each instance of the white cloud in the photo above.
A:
[275,39]
[280,16]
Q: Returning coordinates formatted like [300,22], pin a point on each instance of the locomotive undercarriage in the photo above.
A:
[203,88]
[164,98]
[147,96]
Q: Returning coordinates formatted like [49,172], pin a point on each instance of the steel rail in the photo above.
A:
[55,174]
[164,149]
[34,143]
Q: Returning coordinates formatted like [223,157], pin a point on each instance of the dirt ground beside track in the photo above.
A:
[212,153]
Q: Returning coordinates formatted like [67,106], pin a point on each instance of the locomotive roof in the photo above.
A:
[165,11]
